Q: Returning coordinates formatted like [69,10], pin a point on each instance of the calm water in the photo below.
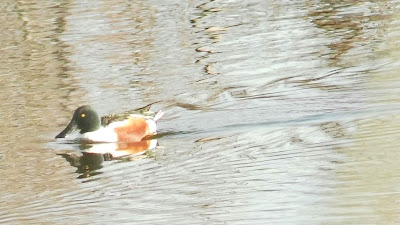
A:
[277,112]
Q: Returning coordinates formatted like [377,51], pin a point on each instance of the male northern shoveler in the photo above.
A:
[124,127]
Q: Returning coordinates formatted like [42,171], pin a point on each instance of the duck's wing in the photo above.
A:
[145,110]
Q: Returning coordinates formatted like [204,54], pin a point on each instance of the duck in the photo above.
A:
[126,127]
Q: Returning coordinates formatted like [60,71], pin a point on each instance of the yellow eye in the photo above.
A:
[83,115]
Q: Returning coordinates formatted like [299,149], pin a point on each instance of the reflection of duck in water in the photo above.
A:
[87,164]
[113,136]
[90,157]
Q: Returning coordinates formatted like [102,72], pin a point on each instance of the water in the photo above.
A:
[277,112]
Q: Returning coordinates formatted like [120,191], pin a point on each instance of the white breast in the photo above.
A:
[101,135]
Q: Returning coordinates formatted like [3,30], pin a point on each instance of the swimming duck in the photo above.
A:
[124,127]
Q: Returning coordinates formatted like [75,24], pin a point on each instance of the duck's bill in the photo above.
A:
[69,129]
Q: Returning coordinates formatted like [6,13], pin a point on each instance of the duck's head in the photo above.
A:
[85,119]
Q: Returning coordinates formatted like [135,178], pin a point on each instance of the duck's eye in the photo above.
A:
[83,115]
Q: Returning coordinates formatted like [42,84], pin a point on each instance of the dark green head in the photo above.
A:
[85,119]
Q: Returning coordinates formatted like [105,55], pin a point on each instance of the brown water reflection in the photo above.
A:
[345,23]
[276,111]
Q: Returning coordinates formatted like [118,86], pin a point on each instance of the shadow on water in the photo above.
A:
[279,112]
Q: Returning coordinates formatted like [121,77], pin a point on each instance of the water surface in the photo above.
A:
[277,112]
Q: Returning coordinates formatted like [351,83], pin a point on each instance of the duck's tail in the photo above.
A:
[152,122]
[158,115]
